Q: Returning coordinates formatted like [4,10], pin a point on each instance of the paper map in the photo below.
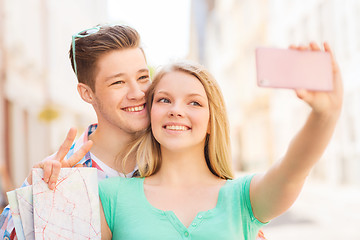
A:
[70,211]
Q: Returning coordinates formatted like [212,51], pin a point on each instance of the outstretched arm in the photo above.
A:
[275,191]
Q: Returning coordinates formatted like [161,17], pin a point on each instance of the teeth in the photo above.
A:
[134,109]
[176,128]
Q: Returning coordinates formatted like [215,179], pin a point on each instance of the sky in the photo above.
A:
[162,24]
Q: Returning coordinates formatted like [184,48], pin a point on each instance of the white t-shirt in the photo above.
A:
[110,172]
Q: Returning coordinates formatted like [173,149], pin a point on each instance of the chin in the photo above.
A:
[176,147]
[139,128]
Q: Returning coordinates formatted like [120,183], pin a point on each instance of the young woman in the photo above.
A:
[186,188]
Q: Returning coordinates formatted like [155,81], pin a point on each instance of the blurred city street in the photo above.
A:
[321,212]
[39,100]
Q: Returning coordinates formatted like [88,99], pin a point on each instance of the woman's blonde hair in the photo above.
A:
[217,144]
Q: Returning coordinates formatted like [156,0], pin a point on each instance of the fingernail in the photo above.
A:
[52,186]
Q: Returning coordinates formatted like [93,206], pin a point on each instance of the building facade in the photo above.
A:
[224,37]
[39,101]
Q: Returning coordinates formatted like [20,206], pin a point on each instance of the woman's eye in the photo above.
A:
[163,100]
[194,103]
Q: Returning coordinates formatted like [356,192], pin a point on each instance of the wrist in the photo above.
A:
[325,118]
[329,114]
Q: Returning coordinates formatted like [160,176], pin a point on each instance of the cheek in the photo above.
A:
[115,96]
[202,118]
[155,121]
[146,86]
[155,115]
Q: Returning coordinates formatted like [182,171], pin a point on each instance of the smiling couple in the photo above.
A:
[173,179]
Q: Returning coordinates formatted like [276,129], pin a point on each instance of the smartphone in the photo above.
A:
[294,69]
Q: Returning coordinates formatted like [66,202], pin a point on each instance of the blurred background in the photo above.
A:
[39,101]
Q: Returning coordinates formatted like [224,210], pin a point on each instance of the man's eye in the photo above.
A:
[117,82]
[143,78]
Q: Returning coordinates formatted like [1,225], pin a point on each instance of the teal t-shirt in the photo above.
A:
[130,216]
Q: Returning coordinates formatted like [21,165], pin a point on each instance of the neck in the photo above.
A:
[109,143]
[184,168]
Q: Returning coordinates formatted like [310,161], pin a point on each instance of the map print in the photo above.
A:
[25,201]
[70,211]
[14,208]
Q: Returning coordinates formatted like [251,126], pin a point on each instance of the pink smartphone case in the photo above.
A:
[288,68]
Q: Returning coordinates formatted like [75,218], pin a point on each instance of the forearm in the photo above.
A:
[308,145]
[282,183]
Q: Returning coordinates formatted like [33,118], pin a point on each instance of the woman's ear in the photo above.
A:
[86,93]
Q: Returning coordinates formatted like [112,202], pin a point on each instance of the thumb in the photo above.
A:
[301,93]
[305,95]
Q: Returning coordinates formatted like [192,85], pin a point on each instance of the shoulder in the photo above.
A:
[240,185]
[118,189]
[116,183]
[241,181]
[121,180]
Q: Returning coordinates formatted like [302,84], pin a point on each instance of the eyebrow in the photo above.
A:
[122,74]
[188,95]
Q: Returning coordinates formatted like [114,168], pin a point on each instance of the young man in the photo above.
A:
[113,77]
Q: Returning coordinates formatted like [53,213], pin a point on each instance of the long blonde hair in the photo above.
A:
[217,145]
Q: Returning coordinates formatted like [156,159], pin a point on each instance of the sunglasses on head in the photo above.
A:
[82,34]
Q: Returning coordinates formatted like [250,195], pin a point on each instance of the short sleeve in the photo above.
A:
[245,193]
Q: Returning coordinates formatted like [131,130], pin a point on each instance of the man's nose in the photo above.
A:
[135,92]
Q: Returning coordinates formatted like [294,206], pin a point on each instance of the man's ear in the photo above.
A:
[86,93]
